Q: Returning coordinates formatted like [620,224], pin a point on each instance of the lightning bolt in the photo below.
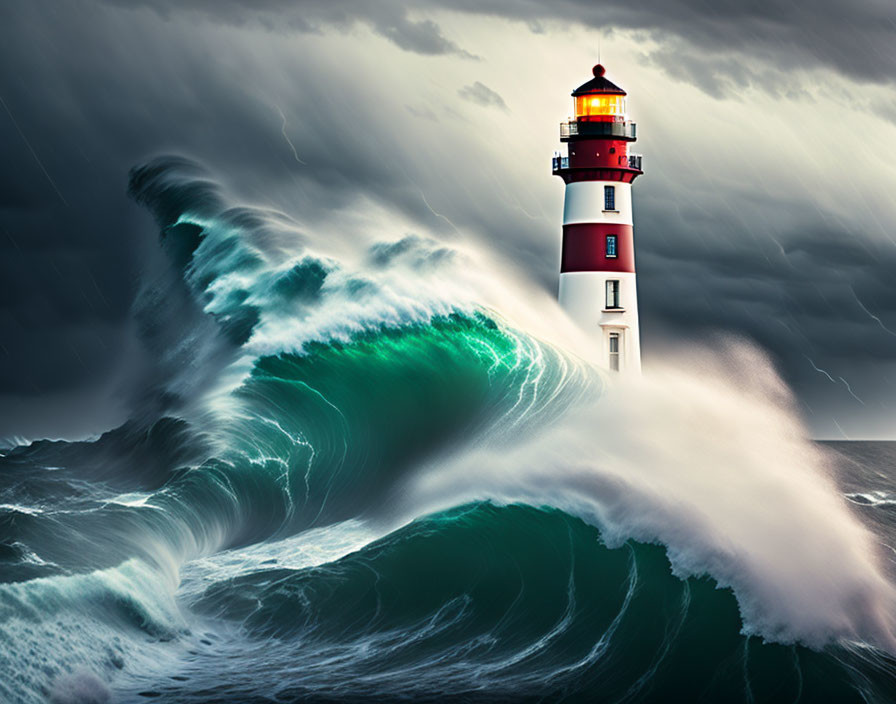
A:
[821,371]
[286,137]
[834,381]
[849,388]
[870,314]
[438,215]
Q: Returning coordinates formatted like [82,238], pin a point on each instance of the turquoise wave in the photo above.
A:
[481,602]
[499,603]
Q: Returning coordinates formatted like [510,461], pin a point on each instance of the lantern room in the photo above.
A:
[599,99]
[588,106]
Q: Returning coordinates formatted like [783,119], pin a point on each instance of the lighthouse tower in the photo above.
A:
[597,269]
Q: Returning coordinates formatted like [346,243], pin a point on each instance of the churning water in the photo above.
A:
[357,481]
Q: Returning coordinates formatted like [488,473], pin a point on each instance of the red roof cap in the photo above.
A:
[599,84]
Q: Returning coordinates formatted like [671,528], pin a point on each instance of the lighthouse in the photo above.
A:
[597,265]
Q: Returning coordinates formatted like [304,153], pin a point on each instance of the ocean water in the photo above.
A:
[360,481]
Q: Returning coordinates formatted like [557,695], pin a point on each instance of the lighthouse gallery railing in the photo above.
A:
[624,130]
[562,162]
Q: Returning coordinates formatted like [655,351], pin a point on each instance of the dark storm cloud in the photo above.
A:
[719,46]
[90,93]
[388,19]
[857,39]
[826,285]
[93,89]
[481,94]
[819,299]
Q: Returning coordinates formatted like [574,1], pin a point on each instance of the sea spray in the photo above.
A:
[706,456]
[324,514]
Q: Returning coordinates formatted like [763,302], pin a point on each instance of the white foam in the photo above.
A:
[707,456]
[422,280]
[18,508]
[872,498]
[134,499]
[313,547]
[67,634]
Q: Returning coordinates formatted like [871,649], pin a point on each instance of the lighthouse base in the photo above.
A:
[605,305]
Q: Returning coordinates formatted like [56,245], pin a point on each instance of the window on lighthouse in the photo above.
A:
[611,246]
[614,351]
[613,293]
[609,197]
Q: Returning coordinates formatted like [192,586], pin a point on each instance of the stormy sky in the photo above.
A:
[766,210]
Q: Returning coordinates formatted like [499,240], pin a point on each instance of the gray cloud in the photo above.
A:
[99,87]
[482,95]
[388,19]
[854,39]
[886,109]
[718,46]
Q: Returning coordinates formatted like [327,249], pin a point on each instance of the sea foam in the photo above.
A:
[707,456]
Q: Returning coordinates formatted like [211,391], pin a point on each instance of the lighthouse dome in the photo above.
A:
[600,84]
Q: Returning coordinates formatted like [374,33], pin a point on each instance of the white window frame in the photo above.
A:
[614,358]
[613,294]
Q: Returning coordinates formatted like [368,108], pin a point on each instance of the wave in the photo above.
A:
[486,602]
[354,478]
[727,482]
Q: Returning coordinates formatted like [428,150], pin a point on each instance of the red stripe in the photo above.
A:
[574,176]
[585,248]
[598,154]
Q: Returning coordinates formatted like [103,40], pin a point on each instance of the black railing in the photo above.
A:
[573,128]
[559,163]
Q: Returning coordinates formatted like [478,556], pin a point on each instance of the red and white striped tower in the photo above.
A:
[597,270]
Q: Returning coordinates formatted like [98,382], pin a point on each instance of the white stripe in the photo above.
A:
[583,297]
[585,203]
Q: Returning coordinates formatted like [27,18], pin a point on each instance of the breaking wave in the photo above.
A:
[375,476]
